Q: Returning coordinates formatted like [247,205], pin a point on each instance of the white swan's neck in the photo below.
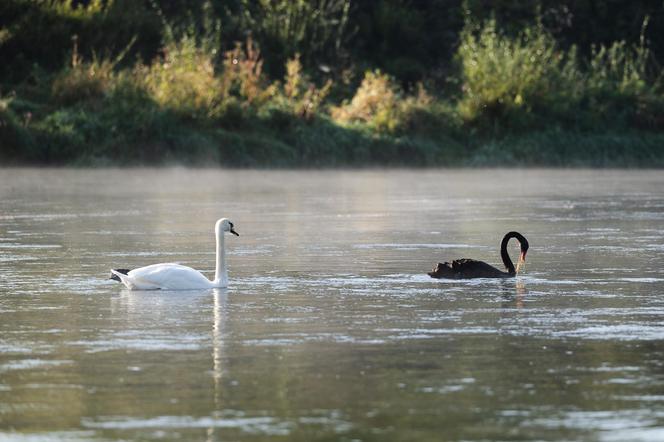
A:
[220,274]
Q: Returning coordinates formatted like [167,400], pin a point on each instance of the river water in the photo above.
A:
[330,328]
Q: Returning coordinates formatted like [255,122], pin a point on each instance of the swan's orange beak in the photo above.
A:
[522,262]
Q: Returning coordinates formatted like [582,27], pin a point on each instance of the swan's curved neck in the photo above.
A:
[220,274]
[507,261]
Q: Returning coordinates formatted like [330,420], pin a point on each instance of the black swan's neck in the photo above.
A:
[507,261]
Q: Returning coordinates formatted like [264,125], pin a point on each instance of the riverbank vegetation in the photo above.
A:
[322,83]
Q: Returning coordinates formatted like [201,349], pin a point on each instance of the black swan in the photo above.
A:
[469,268]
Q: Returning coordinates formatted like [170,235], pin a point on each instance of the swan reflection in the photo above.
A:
[220,315]
[514,295]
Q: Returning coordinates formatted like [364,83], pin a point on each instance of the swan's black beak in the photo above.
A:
[232,230]
[523,257]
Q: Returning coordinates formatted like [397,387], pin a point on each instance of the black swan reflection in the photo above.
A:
[470,268]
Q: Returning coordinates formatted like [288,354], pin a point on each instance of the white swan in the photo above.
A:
[176,276]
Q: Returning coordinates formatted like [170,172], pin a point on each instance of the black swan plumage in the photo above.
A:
[469,268]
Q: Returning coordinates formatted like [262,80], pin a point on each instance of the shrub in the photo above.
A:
[527,81]
[375,102]
[82,82]
[301,94]
[503,76]
[242,76]
[382,104]
[620,82]
[183,79]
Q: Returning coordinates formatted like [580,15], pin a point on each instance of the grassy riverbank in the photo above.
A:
[509,99]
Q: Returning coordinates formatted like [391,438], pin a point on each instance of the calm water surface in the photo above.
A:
[330,328]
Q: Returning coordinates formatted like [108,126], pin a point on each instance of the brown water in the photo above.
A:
[330,329]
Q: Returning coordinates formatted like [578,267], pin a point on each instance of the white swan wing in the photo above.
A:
[165,277]
[134,283]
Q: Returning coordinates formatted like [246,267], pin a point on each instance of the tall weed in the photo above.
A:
[86,80]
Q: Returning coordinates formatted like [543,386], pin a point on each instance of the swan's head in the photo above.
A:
[225,225]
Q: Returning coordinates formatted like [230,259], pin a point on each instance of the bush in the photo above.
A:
[529,82]
[375,102]
[506,79]
[183,79]
[302,96]
[382,104]
[82,81]
[242,76]
[619,84]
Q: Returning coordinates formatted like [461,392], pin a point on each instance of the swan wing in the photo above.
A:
[466,269]
[166,277]
[135,283]
[470,268]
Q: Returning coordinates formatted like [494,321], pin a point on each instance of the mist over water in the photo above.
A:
[330,328]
